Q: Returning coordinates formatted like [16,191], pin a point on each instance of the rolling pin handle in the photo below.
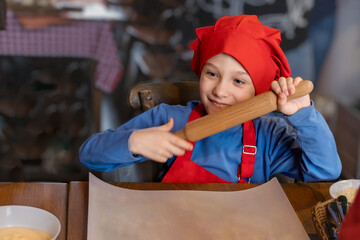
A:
[305,87]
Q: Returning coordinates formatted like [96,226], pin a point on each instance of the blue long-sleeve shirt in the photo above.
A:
[300,146]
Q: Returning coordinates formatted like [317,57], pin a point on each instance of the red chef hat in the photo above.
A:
[252,44]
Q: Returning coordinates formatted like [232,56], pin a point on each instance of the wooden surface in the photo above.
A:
[77,210]
[51,197]
[302,196]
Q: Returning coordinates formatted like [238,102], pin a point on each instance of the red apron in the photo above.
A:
[185,170]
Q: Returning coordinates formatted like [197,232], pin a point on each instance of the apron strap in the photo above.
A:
[197,112]
[246,167]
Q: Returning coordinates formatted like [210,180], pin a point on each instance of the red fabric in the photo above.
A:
[185,170]
[350,228]
[243,37]
[246,168]
[80,39]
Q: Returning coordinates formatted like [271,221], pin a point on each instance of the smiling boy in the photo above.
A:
[235,59]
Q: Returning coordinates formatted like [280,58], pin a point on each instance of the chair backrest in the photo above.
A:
[147,95]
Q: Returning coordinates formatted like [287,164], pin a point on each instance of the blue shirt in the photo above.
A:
[300,146]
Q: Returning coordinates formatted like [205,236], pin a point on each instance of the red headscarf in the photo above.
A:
[252,44]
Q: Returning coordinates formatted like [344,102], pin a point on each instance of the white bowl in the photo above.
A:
[29,217]
[345,187]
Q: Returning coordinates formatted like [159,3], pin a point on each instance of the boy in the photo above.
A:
[235,59]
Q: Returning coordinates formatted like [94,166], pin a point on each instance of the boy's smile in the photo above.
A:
[224,82]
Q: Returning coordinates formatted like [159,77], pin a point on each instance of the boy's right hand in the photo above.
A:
[157,143]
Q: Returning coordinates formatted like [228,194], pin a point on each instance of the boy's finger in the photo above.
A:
[175,150]
[276,87]
[181,143]
[283,85]
[161,159]
[290,85]
[165,153]
[297,80]
[281,98]
[185,145]
[168,126]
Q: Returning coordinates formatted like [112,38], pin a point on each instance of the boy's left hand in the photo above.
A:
[285,87]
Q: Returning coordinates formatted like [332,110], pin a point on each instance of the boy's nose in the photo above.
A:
[220,90]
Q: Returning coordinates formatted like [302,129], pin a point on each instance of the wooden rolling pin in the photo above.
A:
[238,113]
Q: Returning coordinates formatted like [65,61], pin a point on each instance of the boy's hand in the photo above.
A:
[157,143]
[285,87]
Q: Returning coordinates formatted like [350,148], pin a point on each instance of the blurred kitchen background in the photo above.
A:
[66,68]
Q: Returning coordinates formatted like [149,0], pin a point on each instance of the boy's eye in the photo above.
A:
[238,81]
[211,74]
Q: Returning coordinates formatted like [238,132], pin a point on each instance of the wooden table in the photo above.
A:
[51,197]
[302,196]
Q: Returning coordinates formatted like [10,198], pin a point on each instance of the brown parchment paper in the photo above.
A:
[263,212]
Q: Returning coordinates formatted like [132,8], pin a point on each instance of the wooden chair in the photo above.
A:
[145,96]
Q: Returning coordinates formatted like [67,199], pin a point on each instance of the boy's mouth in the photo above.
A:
[217,104]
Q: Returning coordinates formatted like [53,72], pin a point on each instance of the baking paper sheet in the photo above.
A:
[263,212]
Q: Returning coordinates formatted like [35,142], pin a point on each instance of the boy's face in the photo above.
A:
[224,82]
